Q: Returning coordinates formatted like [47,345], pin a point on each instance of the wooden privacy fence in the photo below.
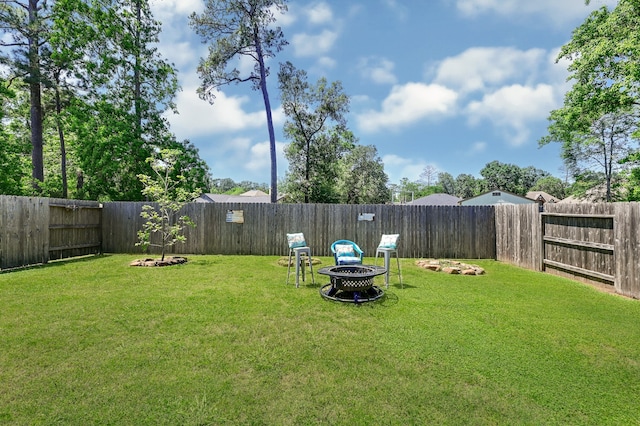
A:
[598,243]
[36,230]
[260,229]
[590,242]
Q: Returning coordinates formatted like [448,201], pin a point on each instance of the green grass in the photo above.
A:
[223,340]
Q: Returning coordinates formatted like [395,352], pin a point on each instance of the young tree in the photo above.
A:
[168,190]
[240,28]
[316,127]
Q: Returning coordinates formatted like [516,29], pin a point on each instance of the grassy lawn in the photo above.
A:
[223,340]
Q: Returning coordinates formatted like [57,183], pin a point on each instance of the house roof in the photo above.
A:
[436,200]
[253,196]
[496,196]
[542,196]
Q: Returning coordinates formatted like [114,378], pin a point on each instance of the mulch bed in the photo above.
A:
[168,261]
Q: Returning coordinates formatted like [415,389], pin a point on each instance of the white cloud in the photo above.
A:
[407,104]
[240,155]
[556,10]
[319,13]
[313,45]
[284,19]
[480,67]
[478,147]
[258,160]
[397,167]
[167,9]
[511,109]
[326,62]
[198,117]
[378,70]
[398,9]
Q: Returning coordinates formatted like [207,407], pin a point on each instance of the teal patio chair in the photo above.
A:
[346,252]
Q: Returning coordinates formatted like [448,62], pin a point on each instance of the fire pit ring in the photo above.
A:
[352,283]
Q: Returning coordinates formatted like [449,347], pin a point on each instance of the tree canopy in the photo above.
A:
[598,123]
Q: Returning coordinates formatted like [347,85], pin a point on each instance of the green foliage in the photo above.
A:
[509,177]
[326,165]
[447,182]
[362,179]
[598,122]
[316,127]
[168,190]
[551,185]
[24,27]
[467,186]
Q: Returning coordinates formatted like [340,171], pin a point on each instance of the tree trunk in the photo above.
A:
[267,107]
[35,100]
[63,150]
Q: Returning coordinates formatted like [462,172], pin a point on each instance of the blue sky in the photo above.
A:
[454,84]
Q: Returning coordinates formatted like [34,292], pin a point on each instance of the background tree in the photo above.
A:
[240,28]
[506,177]
[447,182]
[363,180]
[510,177]
[603,148]
[129,86]
[316,127]
[11,150]
[551,185]
[429,174]
[604,53]
[23,33]
[467,186]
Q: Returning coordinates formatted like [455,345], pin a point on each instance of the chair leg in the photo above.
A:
[289,267]
[399,272]
[313,280]
[298,269]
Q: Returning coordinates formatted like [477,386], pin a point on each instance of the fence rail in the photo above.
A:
[594,243]
[36,230]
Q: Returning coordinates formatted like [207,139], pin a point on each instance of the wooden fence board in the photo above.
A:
[627,243]
[425,231]
[24,239]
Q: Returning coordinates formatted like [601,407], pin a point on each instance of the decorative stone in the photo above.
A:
[450,267]
[168,261]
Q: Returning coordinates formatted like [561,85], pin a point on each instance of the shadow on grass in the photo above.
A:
[57,262]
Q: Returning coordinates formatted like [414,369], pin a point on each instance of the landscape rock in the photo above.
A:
[454,267]
[168,261]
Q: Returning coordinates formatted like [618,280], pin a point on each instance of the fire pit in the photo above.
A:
[352,283]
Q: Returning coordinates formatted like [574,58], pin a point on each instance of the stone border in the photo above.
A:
[168,261]
[453,267]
